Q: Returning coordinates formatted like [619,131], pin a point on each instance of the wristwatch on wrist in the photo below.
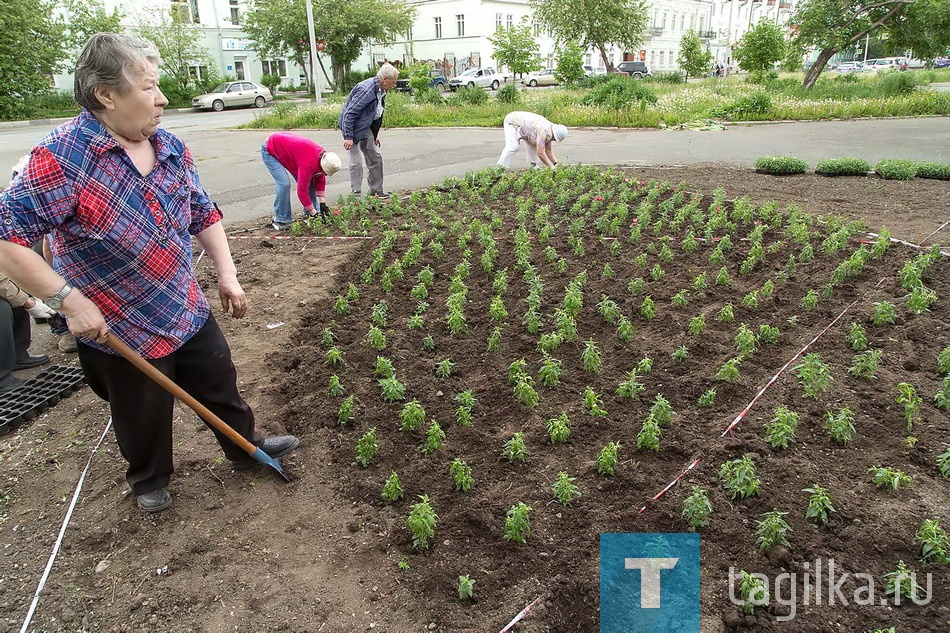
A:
[56,301]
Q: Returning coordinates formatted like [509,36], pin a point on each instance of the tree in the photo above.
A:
[31,47]
[694,59]
[597,23]
[516,48]
[85,18]
[761,48]
[569,63]
[834,25]
[924,29]
[178,42]
[279,27]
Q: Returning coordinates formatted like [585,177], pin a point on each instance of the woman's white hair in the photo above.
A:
[107,60]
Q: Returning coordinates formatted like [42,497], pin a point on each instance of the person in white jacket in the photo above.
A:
[539,136]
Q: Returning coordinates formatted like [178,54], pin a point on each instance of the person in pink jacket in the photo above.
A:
[309,164]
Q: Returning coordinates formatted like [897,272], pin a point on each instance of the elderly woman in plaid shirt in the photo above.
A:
[120,199]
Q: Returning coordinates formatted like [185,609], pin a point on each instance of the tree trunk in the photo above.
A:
[603,56]
[812,75]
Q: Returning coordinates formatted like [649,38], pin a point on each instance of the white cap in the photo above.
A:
[330,163]
[560,133]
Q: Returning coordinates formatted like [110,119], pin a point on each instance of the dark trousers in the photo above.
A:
[142,411]
[14,338]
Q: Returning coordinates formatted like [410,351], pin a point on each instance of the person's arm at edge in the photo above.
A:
[215,242]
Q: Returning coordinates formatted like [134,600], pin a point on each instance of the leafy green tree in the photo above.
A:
[516,48]
[31,48]
[279,27]
[569,63]
[597,23]
[419,77]
[923,28]
[834,25]
[178,42]
[760,48]
[694,59]
[85,18]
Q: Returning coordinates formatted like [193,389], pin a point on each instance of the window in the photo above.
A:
[666,14]
[692,22]
[652,58]
[199,73]
[438,28]
[510,21]
[498,18]
[460,23]
[537,29]
[409,35]
[682,22]
[662,58]
[275,67]
[185,11]
[673,22]
[235,14]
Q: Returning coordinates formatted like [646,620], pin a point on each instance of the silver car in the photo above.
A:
[476,77]
[233,93]
[540,78]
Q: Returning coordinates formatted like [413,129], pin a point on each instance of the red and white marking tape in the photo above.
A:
[673,483]
[906,243]
[796,356]
[300,237]
[521,615]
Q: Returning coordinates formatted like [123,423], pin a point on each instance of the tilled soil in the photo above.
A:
[244,551]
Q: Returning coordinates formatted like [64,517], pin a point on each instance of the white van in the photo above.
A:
[884,63]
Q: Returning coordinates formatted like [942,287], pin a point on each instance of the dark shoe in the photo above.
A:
[381,195]
[155,500]
[12,383]
[32,361]
[274,446]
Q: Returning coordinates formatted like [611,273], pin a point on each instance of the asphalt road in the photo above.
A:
[231,170]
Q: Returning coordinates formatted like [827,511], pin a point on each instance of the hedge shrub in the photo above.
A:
[509,93]
[620,93]
[939,171]
[896,169]
[781,165]
[843,167]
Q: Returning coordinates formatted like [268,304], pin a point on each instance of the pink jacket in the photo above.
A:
[301,157]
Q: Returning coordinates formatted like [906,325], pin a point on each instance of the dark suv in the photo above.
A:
[637,70]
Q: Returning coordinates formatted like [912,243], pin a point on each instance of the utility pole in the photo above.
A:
[314,75]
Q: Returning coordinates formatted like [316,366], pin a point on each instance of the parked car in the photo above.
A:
[849,67]
[233,93]
[884,63]
[588,70]
[540,78]
[915,63]
[476,77]
[942,62]
[437,80]
[637,70]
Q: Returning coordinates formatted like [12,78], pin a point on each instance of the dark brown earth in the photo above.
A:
[246,552]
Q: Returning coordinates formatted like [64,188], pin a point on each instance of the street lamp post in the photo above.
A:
[314,75]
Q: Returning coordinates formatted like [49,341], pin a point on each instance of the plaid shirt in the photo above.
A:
[123,239]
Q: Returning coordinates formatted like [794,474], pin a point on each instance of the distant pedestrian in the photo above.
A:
[539,136]
[308,164]
[360,121]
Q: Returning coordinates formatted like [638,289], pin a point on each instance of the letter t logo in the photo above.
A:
[649,578]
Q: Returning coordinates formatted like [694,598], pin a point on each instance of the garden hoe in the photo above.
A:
[169,385]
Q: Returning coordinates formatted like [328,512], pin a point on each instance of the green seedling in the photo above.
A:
[518,522]
[864,365]
[466,587]
[648,309]
[697,325]
[590,357]
[813,375]
[514,449]
[428,344]
[392,389]
[753,591]
[392,489]
[366,448]
[662,412]
[883,314]
[334,357]
[911,402]
[630,388]
[697,509]
[412,415]
[680,354]
[943,361]
[840,425]
[739,477]
[781,429]
[376,338]
[593,402]
[549,374]
[942,397]
[444,369]
[422,523]
[745,340]
[729,372]
[769,334]
[624,330]
[564,489]
[384,367]
[648,438]
[559,429]
[935,545]
[902,583]
[497,311]
[819,505]
[336,387]
[345,412]
[725,315]
[707,400]
[525,392]
[920,299]
[887,477]
[461,475]
[810,300]
[435,436]
[607,459]
[772,530]
[494,340]
[645,366]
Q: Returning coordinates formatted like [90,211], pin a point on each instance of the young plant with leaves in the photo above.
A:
[466,587]
[336,387]
[697,509]
[366,448]
[911,402]
[607,459]
[935,544]
[772,530]
[840,425]
[819,505]
[745,340]
[648,438]
[461,475]
[725,315]
[564,489]
[514,449]
[769,334]
[781,429]
[559,429]
[883,314]
[444,369]
[549,374]
[392,489]
[890,478]
[518,522]
[631,388]
[865,365]
[729,372]
[662,411]
[422,522]
[739,477]
[411,416]
[902,583]
[435,436]
[594,403]
[942,397]
[590,357]
[345,413]
[707,400]
[813,375]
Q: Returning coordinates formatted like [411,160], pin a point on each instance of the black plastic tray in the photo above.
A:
[40,393]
